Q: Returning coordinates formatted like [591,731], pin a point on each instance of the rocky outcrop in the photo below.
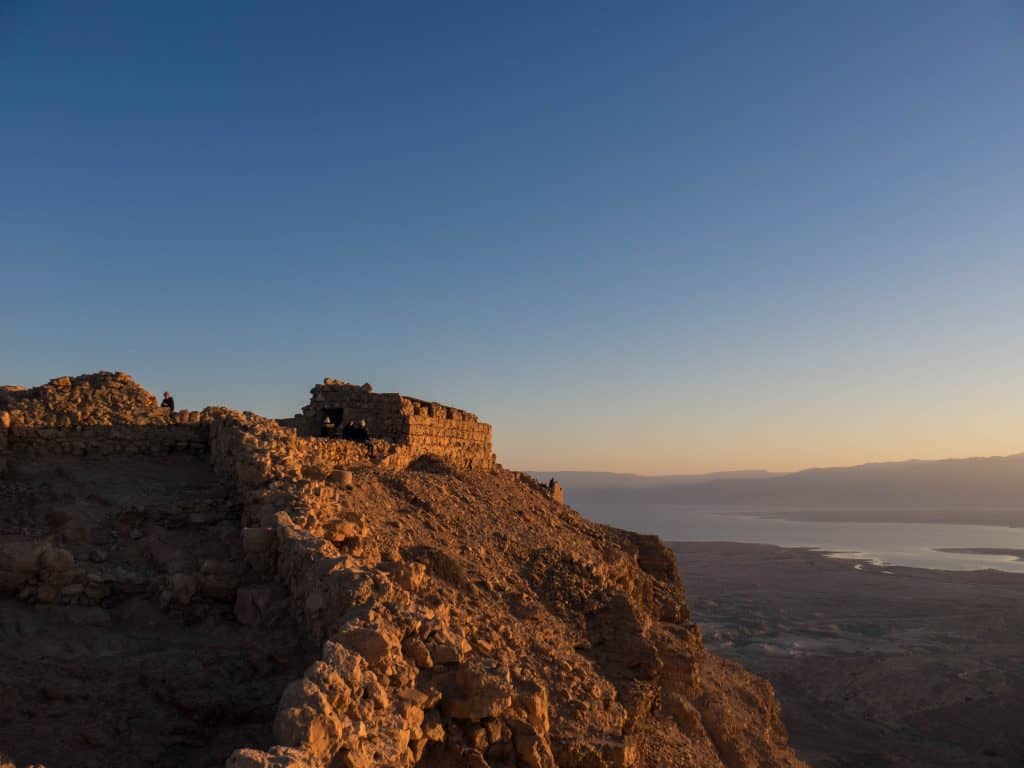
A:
[461,618]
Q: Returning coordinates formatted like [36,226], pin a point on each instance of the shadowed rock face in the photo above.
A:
[441,617]
[118,639]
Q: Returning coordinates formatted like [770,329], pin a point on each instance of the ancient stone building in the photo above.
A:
[416,426]
[108,413]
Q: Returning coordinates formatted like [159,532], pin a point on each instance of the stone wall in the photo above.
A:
[423,428]
[381,412]
[146,439]
[109,413]
[100,413]
[370,698]
[454,435]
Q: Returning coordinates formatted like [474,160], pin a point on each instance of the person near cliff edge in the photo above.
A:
[168,402]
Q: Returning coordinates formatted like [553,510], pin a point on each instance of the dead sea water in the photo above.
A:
[916,545]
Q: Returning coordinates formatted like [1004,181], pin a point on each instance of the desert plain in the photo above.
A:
[874,666]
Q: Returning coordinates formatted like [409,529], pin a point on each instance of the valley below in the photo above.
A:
[874,666]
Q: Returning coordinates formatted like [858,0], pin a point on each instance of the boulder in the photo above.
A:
[532,749]
[373,643]
[341,478]
[417,650]
[476,692]
[306,719]
[56,560]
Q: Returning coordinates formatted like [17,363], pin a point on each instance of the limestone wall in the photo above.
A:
[452,434]
[150,439]
[363,702]
[423,428]
[99,413]
[381,412]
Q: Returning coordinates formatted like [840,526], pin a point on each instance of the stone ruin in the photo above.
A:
[104,413]
[415,427]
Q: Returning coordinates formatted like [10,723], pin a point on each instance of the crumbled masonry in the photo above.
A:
[324,603]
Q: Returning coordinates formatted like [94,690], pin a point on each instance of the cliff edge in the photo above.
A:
[197,588]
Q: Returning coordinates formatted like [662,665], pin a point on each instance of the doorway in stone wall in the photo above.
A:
[335,415]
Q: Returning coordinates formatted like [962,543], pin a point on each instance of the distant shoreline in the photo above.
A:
[1014,553]
[996,518]
[843,559]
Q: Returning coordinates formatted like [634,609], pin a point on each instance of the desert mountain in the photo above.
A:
[579,480]
[214,587]
[969,485]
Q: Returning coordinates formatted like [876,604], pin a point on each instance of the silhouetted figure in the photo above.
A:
[168,402]
[327,428]
[355,431]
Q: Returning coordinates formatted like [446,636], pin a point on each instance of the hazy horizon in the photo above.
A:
[753,471]
[679,239]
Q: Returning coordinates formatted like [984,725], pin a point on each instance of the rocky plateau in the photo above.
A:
[209,588]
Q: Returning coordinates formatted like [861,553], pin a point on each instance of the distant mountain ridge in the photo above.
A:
[629,480]
[981,483]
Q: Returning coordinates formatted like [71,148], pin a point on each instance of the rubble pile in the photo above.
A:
[96,399]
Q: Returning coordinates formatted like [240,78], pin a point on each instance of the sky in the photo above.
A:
[653,237]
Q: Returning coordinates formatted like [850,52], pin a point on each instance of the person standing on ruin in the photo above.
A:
[168,402]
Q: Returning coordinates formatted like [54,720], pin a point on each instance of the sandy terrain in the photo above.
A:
[874,667]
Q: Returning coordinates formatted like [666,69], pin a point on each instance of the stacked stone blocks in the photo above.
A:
[415,427]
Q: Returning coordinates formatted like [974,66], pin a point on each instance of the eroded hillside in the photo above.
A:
[211,587]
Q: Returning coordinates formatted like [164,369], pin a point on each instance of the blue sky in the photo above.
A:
[652,237]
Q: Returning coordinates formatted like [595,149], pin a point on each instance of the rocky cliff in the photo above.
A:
[242,594]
